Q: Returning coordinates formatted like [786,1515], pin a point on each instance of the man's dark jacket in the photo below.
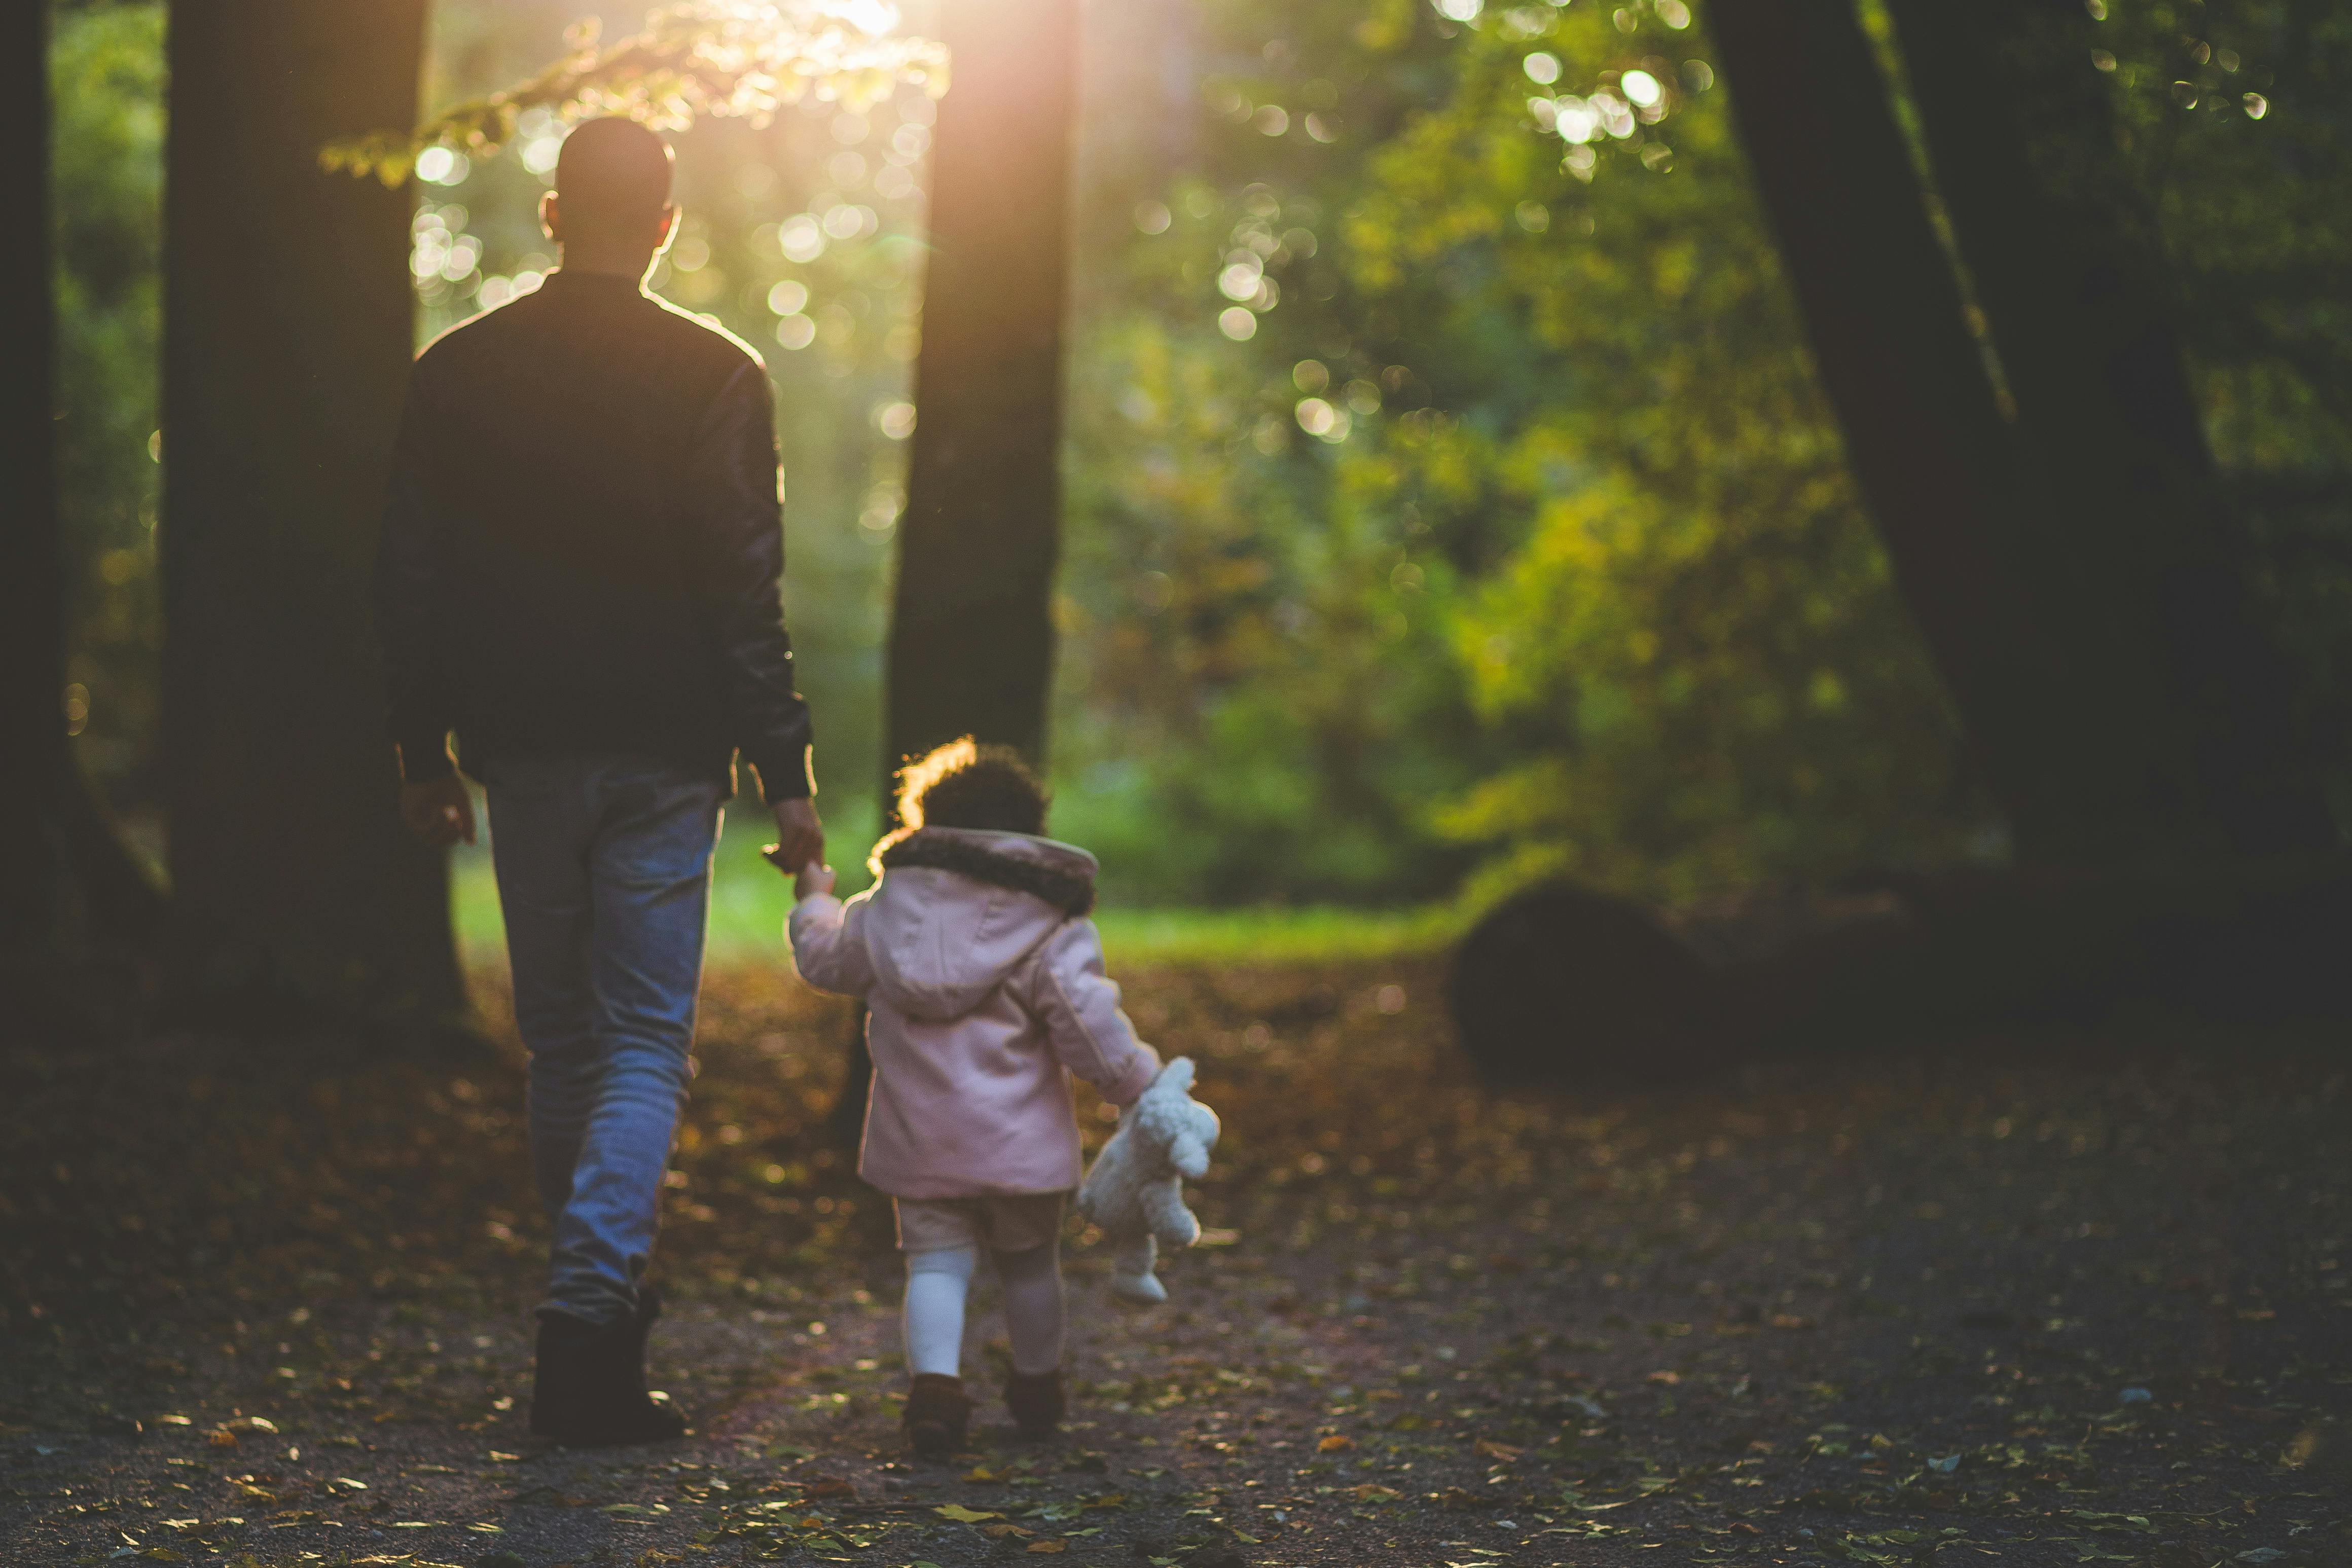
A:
[581,550]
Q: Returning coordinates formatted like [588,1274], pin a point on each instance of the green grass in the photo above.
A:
[749,901]
[1273,934]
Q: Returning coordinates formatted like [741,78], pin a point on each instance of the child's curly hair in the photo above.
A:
[966,785]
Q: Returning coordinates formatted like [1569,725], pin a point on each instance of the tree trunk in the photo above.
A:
[287,340]
[971,622]
[971,633]
[69,889]
[2021,139]
[2066,729]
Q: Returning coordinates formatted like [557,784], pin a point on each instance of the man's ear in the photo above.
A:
[551,216]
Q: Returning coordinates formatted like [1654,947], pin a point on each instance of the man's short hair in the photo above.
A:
[613,176]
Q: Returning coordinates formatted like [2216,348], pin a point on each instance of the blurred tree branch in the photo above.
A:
[743,59]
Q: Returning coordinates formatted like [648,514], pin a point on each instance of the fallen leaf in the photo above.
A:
[962,1514]
[1335,1443]
[221,1438]
[1791,1321]
[1495,1450]
[1002,1530]
[1049,1546]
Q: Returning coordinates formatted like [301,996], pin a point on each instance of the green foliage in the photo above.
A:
[729,58]
[106,73]
[1577,580]
[1445,505]
[2235,117]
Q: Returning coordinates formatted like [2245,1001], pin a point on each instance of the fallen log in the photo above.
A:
[1563,984]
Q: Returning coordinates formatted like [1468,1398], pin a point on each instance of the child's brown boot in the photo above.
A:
[938,1414]
[1036,1403]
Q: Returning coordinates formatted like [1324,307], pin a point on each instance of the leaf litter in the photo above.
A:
[265,1304]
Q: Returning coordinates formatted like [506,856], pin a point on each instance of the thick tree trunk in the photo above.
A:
[2021,140]
[68,887]
[972,624]
[972,634]
[287,340]
[2072,734]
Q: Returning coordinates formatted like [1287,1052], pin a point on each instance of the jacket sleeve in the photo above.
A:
[740,559]
[1078,1004]
[827,948]
[409,616]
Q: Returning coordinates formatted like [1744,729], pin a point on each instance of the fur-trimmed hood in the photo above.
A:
[958,909]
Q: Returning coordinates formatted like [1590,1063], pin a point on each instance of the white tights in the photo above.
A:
[937,1283]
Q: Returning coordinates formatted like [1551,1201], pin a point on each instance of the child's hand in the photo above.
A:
[810,877]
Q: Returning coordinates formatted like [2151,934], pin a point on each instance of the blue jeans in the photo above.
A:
[603,871]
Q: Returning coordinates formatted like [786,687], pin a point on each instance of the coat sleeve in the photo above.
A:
[1068,991]
[410,616]
[739,533]
[828,948]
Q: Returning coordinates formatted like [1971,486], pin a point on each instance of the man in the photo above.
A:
[579,577]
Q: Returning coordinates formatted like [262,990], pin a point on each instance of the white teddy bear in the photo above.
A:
[1135,1190]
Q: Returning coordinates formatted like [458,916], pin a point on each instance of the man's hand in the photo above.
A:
[800,837]
[440,812]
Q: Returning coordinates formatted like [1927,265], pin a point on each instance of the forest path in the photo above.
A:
[2044,1300]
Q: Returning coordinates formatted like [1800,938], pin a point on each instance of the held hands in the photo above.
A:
[798,849]
[440,812]
[812,878]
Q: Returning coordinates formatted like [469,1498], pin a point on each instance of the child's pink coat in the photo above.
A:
[980,992]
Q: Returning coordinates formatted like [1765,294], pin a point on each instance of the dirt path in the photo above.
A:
[267,1308]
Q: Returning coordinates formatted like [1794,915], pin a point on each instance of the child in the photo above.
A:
[984,985]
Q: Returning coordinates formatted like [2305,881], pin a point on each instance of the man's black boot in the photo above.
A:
[590,1390]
